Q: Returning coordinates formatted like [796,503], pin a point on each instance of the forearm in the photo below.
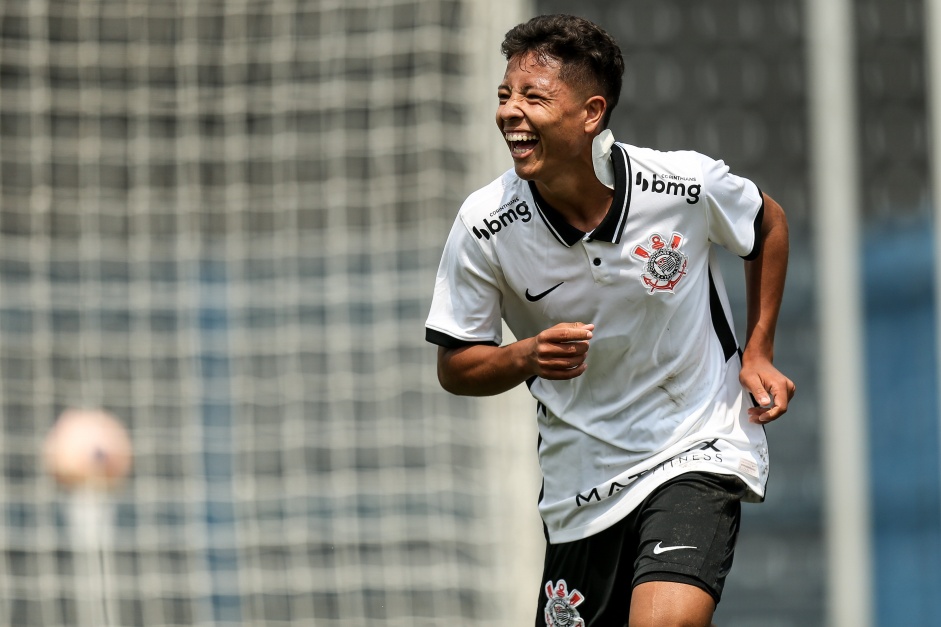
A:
[764,283]
[558,353]
[482,370]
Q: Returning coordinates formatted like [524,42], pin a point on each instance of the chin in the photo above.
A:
[524,171]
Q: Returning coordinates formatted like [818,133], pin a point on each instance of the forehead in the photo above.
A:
[531,70]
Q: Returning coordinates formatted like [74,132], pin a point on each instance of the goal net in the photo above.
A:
[220,221]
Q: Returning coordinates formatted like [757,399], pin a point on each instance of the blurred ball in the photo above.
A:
[87,448]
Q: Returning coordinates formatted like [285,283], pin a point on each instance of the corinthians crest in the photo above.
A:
[560,610]
[664,264]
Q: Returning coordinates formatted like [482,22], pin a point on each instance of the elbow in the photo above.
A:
[447,376]
[470,371]
[446,381]
[455,385]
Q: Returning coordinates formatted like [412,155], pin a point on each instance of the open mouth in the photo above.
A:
[521,143]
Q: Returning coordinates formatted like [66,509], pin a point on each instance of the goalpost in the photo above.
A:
[835,184]
[508,420]
[221,222]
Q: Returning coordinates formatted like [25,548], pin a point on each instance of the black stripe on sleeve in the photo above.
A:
[449,341]
[720,322]
[756,249]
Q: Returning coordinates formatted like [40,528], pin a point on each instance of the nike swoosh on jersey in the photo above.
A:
[534,297]
[657,550]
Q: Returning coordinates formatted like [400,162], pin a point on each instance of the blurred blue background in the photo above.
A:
[729,79]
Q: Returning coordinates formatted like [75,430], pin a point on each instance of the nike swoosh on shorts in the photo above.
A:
[657,550]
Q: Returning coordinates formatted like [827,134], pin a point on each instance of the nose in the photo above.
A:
[509,109]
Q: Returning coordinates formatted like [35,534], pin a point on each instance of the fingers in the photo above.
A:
[771,390]
[559,353]
[557,360]
[563,374]
[568,332]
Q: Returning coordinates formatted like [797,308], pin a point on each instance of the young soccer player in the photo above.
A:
[598,255]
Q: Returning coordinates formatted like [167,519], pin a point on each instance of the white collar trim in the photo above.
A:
[601,157]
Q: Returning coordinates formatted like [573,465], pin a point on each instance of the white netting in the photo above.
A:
[220,220]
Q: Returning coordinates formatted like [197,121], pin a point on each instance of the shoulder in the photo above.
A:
[682,166]
[481,202]
[660,176]
[688,161]
[494,207]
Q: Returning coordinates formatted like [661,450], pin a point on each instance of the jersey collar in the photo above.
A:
[612,225]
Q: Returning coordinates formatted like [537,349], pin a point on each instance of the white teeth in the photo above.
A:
[520,137]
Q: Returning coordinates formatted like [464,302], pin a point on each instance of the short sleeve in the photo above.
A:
[734,208]
[466,306]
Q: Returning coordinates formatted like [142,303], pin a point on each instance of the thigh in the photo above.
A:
[587,583]
[688,529]
[666,603]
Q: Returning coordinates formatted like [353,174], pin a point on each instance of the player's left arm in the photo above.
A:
[764,286]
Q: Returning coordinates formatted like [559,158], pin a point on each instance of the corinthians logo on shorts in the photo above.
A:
[560,610]
[664,264]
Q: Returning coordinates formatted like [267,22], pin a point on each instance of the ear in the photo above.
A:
[595,108]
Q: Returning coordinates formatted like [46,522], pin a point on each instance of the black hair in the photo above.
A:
[589,56]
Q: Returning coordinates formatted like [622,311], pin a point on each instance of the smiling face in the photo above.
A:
[547,124]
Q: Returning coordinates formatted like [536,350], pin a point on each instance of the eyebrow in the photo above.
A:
[524,87]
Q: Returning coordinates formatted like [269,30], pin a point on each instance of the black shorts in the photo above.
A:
[684,532]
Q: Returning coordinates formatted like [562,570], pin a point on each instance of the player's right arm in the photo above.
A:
[557,353]
[465,322]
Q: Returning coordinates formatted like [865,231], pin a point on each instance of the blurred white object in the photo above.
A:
[88,452]
[88,448]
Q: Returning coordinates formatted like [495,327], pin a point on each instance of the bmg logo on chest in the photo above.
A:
[503,218]
[676,186]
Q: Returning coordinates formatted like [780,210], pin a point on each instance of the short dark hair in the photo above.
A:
[589,56]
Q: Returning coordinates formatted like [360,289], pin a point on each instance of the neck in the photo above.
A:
[579,196]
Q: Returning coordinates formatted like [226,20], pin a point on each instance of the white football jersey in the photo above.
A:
[660,395]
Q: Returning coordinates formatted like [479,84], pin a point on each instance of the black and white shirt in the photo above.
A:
[661,394]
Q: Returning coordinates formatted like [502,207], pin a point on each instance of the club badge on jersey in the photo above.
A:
[560,610]
[664,263]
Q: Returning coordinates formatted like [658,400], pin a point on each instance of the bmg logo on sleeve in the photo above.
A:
[503,218]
